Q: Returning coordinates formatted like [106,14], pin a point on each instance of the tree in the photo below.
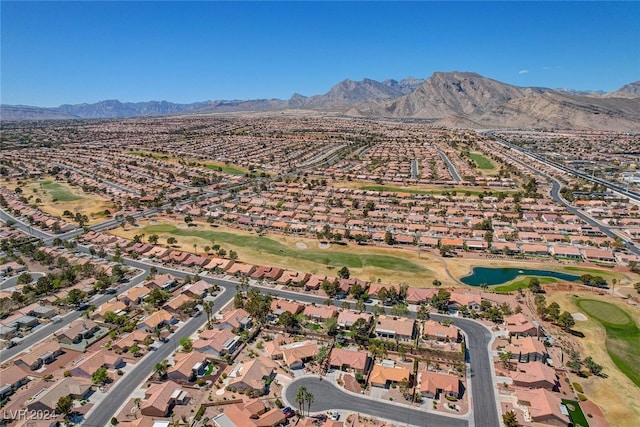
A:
[534,285]
[134,349]
[423,312]
[171,241]
[574,363]
[186,344]
[360,330]
[75,297]
[541,304]
[301,395]
[309,398]
[64,406]
[510,419]
[399,309]
[153,239]
[331,288]
[552,311]
[331,325]
[356,291]
[440,301]
[289,321]
[595,368]
[437,283]
[404,388]
[344,273]
[258,304]
[208,310]
[100,376]
[388,238]
[566,320]
[25,278]
[160,368]
[505,358]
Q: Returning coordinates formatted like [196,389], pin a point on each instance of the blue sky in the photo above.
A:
[67,52]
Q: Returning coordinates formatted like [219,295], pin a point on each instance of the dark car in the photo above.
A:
[288,412]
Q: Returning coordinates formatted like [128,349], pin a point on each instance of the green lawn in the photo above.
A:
[623,335]
[523,283]
[577,416]
[227,169]
[213,166]
[58,192]
[482,162]
[607,275]
[270,246]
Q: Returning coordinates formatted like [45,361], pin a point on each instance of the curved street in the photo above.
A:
[327,396]
[482,397]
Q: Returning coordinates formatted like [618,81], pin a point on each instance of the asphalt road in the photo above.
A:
[101,414]
[452,169]
[45,331]
[555,194]
[327,396]
[12,281]
[414,168]
[485,412]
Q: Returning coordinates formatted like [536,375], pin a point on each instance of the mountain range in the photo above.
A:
[460,99]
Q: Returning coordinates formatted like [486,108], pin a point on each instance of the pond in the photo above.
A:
[497,276]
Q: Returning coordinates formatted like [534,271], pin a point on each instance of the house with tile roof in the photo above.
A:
[434,384]
[543,406]
[519,325]
[252,413]
[254,375]
[349,360]
[159,399]
[392,327]
[188,367]
[385,376]
[535,375]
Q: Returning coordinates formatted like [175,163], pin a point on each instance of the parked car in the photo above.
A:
[288,412]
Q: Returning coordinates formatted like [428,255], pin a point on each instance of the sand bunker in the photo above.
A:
[579,316]
[301,245]
[324,245]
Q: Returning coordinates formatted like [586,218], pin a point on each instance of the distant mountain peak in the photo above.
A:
[452,98]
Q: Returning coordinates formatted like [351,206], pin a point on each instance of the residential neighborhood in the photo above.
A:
[383,280]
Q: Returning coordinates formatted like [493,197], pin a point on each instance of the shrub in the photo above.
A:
[278,403]
[119,372]
[578,387]
[582,397]
[200,412]
[201,382]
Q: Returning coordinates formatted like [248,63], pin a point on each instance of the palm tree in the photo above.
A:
[301,395]
[309,397]
[208,309]
[195,248]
